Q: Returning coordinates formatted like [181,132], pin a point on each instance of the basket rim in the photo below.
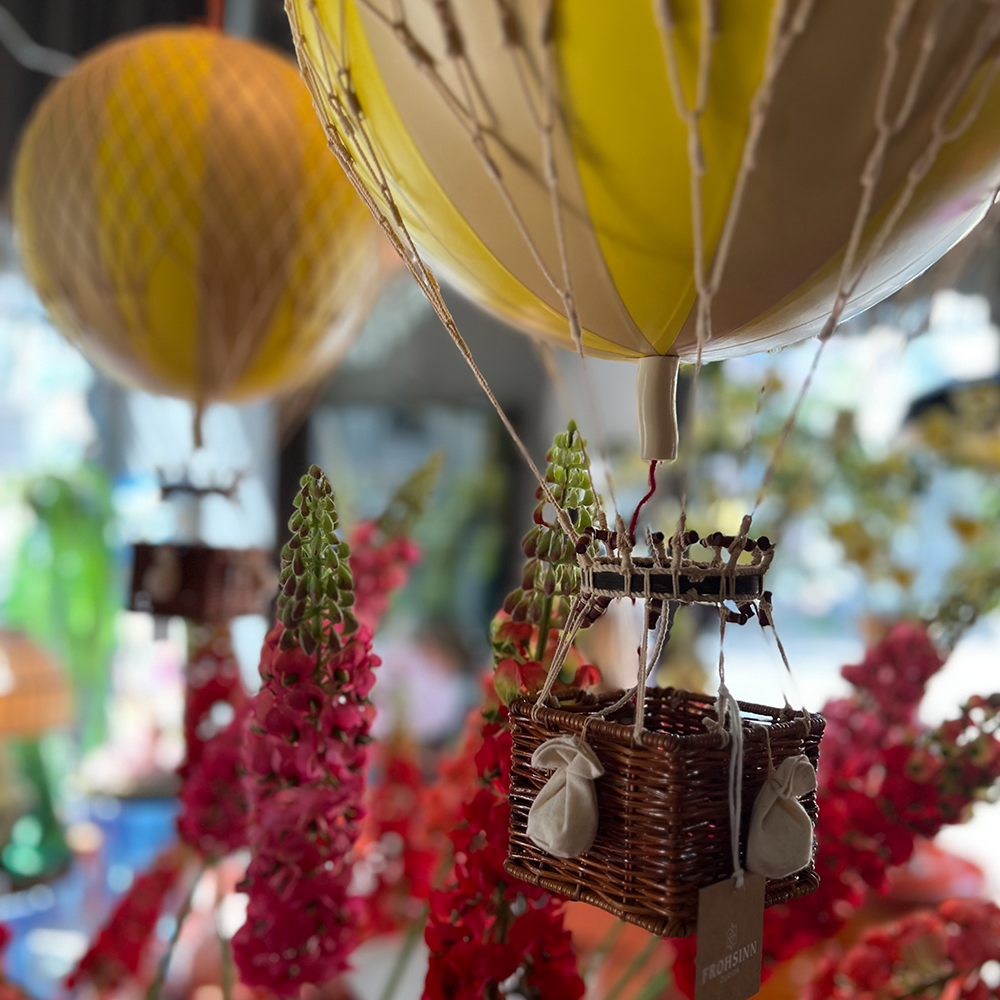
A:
[568,718]
[648,564]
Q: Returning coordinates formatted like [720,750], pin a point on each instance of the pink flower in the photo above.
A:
[379,566]
[212,681]
[213,801]
[305,759]
[894,673]
[122,944]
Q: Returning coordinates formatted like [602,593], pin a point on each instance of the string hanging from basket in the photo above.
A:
[563,819]
[727,706]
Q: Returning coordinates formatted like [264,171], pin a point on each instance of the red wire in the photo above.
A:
[652,490]
[215,13]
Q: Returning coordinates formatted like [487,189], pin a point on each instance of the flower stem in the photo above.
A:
[543,630]
[605,946]
[226,950]
[635,967]
[413,936]
[655,986]
[153,993]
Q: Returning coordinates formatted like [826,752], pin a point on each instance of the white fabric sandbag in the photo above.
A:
[562,820]
[780,841]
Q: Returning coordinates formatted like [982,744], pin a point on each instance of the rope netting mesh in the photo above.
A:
[328,74]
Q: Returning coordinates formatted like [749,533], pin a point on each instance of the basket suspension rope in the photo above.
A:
[643,673]
[887,127]
[765,615]
[645,666]
[575,618]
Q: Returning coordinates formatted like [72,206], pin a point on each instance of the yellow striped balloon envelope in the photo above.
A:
[182,219]
[678,176]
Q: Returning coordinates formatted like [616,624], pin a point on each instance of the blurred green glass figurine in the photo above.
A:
[65,595]
[66,592]
[34,699]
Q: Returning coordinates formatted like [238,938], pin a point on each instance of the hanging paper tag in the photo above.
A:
[730,936]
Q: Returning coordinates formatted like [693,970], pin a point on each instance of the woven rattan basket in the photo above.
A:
[663,805]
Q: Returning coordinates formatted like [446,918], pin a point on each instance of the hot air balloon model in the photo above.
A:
[182,219]
[668,182]
[664,182]
[667,821]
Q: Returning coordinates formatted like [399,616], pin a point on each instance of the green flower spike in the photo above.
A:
[315,586]
[551,570]
[409,500]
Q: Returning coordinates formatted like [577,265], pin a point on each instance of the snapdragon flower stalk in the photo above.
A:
[214,803]
[487,931]
[305,760]
[215,797]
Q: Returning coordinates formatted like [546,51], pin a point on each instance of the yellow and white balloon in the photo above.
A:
[533,149]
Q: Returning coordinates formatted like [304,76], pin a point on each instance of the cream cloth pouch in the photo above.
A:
[780,841]
[563,818]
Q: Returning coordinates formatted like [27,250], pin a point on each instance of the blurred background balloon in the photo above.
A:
[181,218]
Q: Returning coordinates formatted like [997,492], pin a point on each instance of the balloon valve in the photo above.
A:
[656,387]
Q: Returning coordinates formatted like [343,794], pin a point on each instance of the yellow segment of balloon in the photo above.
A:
[779,162]
[182,219]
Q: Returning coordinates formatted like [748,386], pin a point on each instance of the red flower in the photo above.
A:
[214,692]
[379,566]
[867,966]
[512,677]
[395,860]
[929,953]
[973,932]
[118,951]
[486,927]
[516,669]
[213,800]
[894,674]
[305,758]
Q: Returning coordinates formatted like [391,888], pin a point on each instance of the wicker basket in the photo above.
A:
[664,813]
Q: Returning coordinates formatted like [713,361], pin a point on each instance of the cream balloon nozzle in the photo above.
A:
[656,388]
